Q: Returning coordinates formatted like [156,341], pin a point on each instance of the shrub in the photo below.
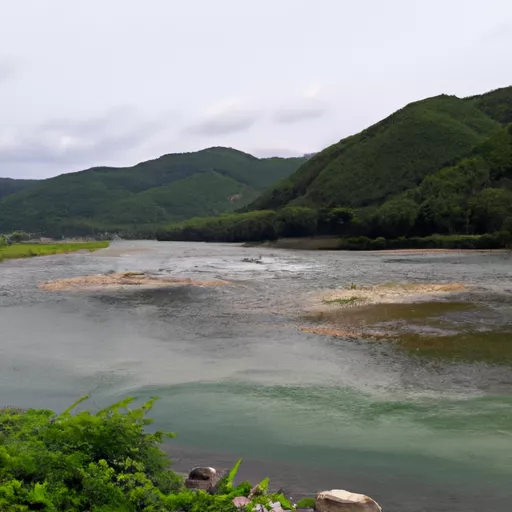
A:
[378,244]
[105,462]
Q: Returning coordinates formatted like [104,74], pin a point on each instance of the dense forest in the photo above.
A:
[11,186]
[133,201]
[441,166]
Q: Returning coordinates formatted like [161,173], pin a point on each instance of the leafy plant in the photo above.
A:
[306,503]
[102,462]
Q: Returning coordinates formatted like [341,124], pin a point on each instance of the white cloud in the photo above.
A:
[224,118]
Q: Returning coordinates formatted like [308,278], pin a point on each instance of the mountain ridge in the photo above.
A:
[101,197]
[439,166]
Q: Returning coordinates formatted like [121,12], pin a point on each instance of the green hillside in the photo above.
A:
[170,188]
[441,166]
[11,186]
[394,154]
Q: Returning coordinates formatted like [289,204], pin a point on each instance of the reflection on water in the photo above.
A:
[237,376]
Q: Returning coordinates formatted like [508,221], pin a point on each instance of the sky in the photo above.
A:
[115,82]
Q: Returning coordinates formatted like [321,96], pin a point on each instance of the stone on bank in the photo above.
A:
[336,500]
[339,500]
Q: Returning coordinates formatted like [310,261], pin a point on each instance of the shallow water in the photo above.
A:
[237,376]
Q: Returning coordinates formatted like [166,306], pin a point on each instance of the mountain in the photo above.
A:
[10,186]
[173,187]
[438,166]
[393,155]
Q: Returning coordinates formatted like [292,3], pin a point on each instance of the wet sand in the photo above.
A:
[119,280]
[416,318]
[385,293]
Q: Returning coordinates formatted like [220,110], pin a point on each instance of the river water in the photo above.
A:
[237,377]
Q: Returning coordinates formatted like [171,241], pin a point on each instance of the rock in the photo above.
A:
[202,473]
[344,501]
[204,478]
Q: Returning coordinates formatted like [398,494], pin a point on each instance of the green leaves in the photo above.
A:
[101,462]
[83,461]
[232,474]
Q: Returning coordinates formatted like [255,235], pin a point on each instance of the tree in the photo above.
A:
[490,208]
[18,236]
[297,221]
[334,221]
[396,217]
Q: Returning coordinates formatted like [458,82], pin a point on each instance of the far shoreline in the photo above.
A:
[29,250]
[338,244]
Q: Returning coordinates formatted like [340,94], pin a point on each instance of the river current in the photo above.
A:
[237,376]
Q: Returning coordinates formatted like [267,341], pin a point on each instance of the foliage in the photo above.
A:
[171,188]
[106,461]
[251,226]
[10,186]
[335,221]
[397,217]
[306,503]
[18,236]
[471,196]
[102,461]
[25,250]
[393,155]
[480,242]
[496,104]
[296,221]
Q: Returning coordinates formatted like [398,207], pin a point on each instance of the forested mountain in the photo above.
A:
[10,186]
[393,155]
[438,166]
[135,199]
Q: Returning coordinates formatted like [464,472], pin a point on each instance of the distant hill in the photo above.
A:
[11,186]
[442,165]
[135,199]
[393,155]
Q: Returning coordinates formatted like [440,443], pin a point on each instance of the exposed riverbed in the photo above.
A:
[386,374]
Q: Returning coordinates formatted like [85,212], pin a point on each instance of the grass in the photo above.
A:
[30,250]
[343,302]
[493,347]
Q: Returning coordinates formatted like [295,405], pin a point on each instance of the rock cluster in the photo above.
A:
[336,500]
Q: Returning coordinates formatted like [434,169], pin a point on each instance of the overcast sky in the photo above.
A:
[85,83]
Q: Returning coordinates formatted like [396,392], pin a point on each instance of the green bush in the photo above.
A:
[377,244]
[102,462]
[306,503]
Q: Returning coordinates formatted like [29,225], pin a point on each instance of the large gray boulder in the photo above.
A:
[204,478]
[339,500]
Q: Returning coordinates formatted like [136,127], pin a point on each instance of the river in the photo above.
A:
[237,376]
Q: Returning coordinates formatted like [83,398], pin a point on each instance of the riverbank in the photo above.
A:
[28,250]
[434,243]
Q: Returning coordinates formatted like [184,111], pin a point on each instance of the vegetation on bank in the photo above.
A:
[27,250]
[499,240]
[106,462]
[133,201]
[465,205]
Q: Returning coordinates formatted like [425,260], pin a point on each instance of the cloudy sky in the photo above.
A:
[114,82]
